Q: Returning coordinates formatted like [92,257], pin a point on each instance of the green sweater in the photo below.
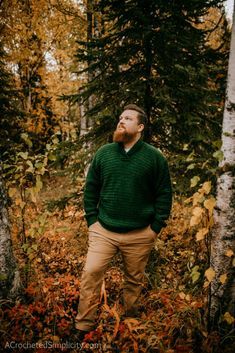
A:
[128,190]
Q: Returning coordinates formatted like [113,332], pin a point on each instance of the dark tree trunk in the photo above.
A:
[10,283]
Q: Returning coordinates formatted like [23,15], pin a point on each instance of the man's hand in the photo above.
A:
[152,232]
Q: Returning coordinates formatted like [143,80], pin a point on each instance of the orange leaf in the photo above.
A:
[201,234]
[210,274]
[223,278]
[229,253]
[210,204]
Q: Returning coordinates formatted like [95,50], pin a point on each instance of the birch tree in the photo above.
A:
[10,283]
[223,237]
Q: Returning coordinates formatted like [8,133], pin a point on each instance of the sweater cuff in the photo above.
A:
[157,226]
[91,220]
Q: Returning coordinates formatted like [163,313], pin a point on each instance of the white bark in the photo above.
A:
[223,237]
[10,283]
[83,121]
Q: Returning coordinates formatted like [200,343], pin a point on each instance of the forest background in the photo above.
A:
[67,68]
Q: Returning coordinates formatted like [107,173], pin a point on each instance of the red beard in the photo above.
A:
[122,136]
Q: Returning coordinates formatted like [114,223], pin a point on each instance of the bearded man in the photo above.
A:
[127,200]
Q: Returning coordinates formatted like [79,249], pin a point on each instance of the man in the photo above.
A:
[127,200]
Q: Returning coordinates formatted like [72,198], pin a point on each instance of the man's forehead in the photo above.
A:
[129,112]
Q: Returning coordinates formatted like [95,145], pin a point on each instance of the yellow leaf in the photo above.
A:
[194,181]
[233,263]
[209,204]
[223,278]
[182,295]
[131,321]
[39,184]
[210,274]
[188,200]
[229,253]
[12,192]
[201,234]
[197,198]
[194,221]
[188,298]
[197,215]
[33,194]
[229,318]
[197,211]
[206,187]
[20,203]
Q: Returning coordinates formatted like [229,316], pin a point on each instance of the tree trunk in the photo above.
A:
[9,275]
[222,298]
[86,122]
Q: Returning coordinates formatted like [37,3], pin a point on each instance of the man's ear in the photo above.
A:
[141,127]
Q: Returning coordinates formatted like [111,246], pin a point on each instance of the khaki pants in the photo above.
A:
[135,247]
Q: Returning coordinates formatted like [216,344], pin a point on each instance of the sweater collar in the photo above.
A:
[133,149]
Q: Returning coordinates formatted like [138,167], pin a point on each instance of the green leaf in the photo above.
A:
[218,155]
[25,246]
[195,274]
[191,166]
[26,139]
[190,157]
[39,184]
[55,141]
[31,167]
[23,155]
[35,247]
[39,165]
[194,181]
[51,157]
[3,277]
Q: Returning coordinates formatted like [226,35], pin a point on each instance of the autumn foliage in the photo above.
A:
[66,67]
[51,255]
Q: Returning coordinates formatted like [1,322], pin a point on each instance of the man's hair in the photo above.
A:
[142,117]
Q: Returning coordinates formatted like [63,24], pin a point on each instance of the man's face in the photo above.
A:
[128,127]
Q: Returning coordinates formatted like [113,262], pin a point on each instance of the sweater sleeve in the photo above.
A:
[163,199]
[92,193]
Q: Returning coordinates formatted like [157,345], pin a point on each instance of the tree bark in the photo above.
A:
[86,122]
[10,283]
[222,297]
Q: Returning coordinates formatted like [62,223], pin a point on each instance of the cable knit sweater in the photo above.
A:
[128,190]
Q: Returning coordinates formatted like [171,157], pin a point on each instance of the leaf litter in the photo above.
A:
[172,315]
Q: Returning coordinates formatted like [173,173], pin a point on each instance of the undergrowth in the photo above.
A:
[51,254]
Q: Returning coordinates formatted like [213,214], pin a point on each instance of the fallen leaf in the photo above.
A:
[229,318]
[201,234]
[209,204]
[229,253]
[223,278]
[210,274]
[206,187]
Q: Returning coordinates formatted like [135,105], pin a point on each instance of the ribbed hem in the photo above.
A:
[91,220]
[115,229]
[156,226]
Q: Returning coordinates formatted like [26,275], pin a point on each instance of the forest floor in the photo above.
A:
[50,246]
